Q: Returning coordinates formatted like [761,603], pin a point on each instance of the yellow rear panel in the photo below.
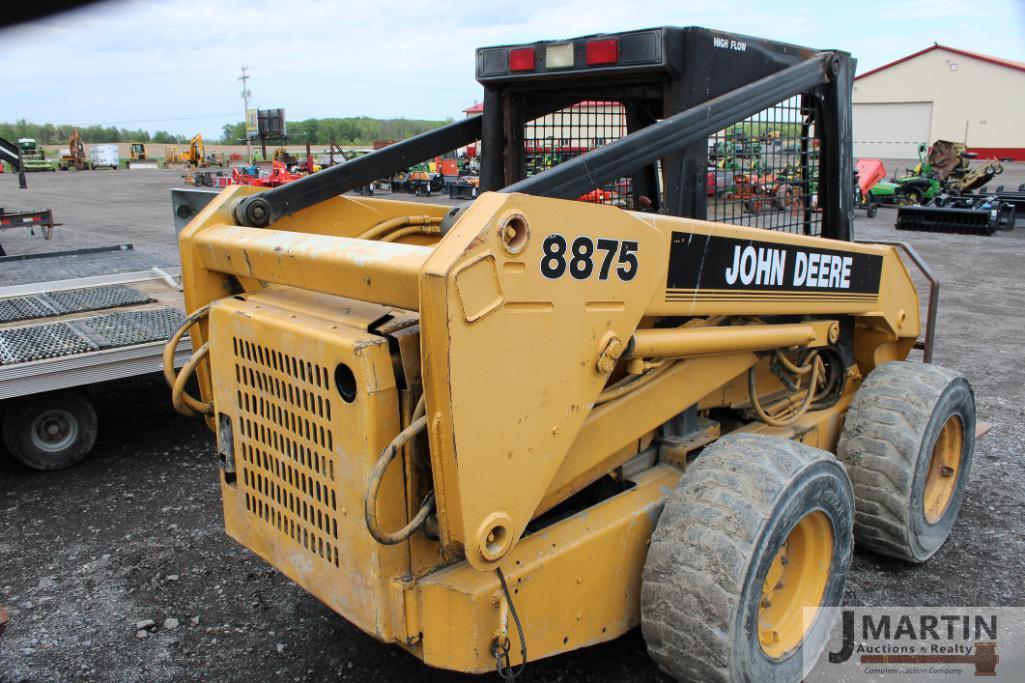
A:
[302,452]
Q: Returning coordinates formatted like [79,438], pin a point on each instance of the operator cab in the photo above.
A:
[548,102]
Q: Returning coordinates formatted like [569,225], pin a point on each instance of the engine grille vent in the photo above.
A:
[287,446]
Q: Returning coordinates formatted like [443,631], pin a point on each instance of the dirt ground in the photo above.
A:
[135,533]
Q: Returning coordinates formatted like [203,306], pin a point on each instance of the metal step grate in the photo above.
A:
[110,331]
[51,304]
[38,342]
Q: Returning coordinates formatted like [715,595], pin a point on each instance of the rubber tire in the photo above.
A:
[712,546]
[886,444]
[872,210]
[17,429]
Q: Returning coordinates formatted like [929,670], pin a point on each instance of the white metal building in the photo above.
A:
[941,93]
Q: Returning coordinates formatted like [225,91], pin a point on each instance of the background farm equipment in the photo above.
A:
[194,155]
[954,207]
[422,181]
[908,190]
[867,173]
[33,157]
[781,190]
[279,175]
[207,178]
[1016,198]
[968,179]
[945,169]
[918,184]
[963,214]
[75,156]
[138,158]
[464,188]
[757,191]
[418,180]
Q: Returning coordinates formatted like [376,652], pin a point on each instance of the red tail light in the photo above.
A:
[521,59]
[603,51]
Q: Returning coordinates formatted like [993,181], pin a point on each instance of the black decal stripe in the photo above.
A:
[701,262]
[760,288]
[776,292]
[831,296]
[770,298]
[766,299]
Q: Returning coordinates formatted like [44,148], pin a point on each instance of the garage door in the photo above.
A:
[891,130]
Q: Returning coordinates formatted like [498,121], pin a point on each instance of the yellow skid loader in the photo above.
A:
[527,424]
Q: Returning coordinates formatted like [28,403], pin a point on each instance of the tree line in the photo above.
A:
[355,130]
[58,134]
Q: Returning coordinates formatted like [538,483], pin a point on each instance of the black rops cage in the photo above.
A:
[683,121]
[774,161]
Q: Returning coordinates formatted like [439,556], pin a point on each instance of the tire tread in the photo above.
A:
[884,429]
[691,587]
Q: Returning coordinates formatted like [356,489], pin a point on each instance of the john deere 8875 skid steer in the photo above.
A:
[504,430]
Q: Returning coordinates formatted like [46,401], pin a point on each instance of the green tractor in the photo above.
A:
[919,185]
[33,158]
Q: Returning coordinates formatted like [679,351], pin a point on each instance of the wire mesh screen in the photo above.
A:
[568,133]
[765,170]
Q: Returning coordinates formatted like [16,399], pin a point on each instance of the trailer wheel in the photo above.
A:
[758,529]
[908,443]
[51,431]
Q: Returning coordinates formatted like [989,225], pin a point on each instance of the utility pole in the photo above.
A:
[245,99]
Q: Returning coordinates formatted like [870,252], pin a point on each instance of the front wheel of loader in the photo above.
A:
[908,443]
[753,543]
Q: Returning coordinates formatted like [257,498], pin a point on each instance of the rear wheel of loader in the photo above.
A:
[908,443]
[757,531]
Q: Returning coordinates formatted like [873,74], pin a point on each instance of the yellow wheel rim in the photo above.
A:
[944,467]
[796,580]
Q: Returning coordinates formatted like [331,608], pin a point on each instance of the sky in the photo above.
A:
[174,64]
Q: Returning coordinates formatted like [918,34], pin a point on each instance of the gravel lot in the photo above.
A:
[134,533]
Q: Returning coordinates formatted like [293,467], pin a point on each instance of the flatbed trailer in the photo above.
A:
[31,219]
[81,327]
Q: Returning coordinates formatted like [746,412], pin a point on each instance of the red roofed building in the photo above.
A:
[941,93]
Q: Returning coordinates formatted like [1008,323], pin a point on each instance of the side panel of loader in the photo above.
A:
[305,400]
